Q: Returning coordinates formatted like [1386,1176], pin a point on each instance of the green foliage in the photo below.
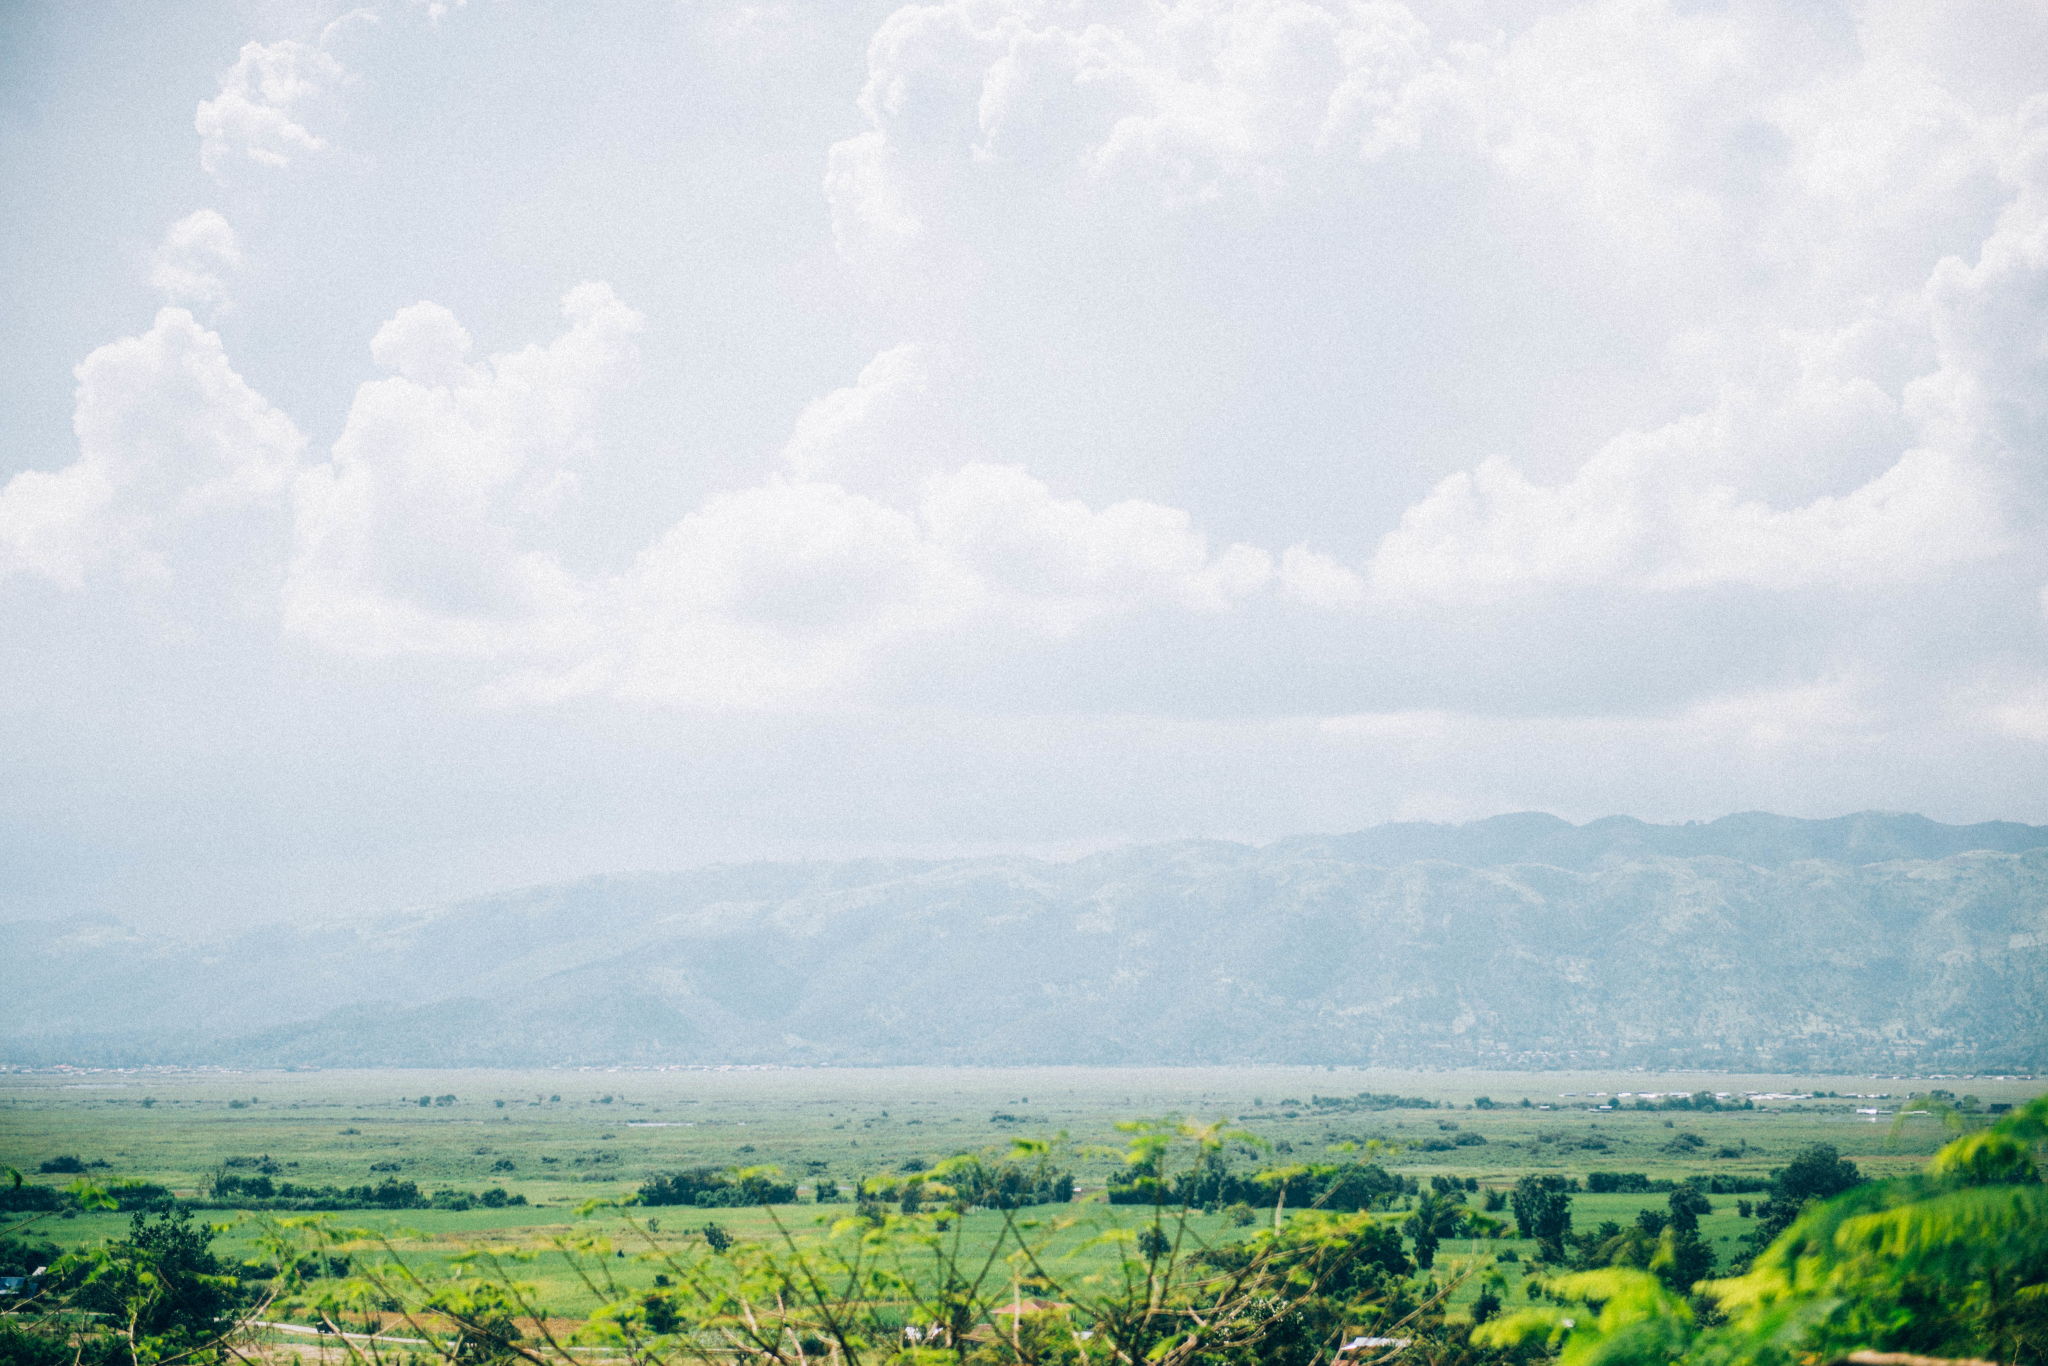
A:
[1344,1187]
[1543,1211]
[1372,1100]
[1951,1263]
[24,1198]
[1687,1205]
[1818,1173]
[1437,1217]
[1602,1318]
[160,1288]
[969,1181]
[711,1188]
[21,1257]
[231,1190]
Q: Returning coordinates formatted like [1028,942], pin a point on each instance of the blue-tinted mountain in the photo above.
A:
[1878,941]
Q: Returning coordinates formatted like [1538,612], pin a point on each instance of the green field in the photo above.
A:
[610,1129]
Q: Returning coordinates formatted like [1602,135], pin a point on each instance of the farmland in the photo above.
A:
[560,1139]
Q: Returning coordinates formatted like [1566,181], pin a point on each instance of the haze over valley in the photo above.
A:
[1753,942]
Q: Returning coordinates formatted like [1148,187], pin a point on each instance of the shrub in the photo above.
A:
[708,1188]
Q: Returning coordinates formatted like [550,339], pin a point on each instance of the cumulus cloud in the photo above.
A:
[1192,99]
[256,116]
[425,530]
[859,434]
[428,533]
[1315,579]
[167,432]
[794,591]
[1721,129]
[1661,511]
[196,252]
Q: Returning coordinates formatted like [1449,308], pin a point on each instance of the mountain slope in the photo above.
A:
[1752,941]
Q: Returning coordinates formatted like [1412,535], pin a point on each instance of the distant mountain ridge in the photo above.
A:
[1875,940]
[1751,837]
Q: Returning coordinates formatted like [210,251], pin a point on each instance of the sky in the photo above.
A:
[448,447]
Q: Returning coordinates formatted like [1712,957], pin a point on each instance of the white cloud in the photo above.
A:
[1054,564]
[1661,510]
[793,592]
[425,531]
[1193,99]
[858,434]
[167,432]
[196,252]
[256,115]
[2022,714]
[1633,518]
[428,533]
[1830,713]
[1315,579]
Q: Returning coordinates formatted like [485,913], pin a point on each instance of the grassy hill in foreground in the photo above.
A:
[1755,941]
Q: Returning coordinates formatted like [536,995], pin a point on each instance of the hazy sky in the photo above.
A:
[449,446]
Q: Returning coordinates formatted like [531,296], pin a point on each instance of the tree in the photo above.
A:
[1687,1205]
[161,1285]
[1436,1218]
[1683,1259]
[1817,1173]
[1543,1211]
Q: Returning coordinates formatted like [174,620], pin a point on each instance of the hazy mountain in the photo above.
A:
[1756,940]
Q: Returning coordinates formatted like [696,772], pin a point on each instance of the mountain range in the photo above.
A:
[1755,941]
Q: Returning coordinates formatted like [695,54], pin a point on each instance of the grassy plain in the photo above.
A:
[571,1136]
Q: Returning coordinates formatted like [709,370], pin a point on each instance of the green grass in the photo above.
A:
[328,1128]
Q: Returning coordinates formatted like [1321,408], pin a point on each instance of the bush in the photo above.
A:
[1342,1187]
[709,1188]
[62,1166]
[241,1192]
[26,1197]
[995,1185]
